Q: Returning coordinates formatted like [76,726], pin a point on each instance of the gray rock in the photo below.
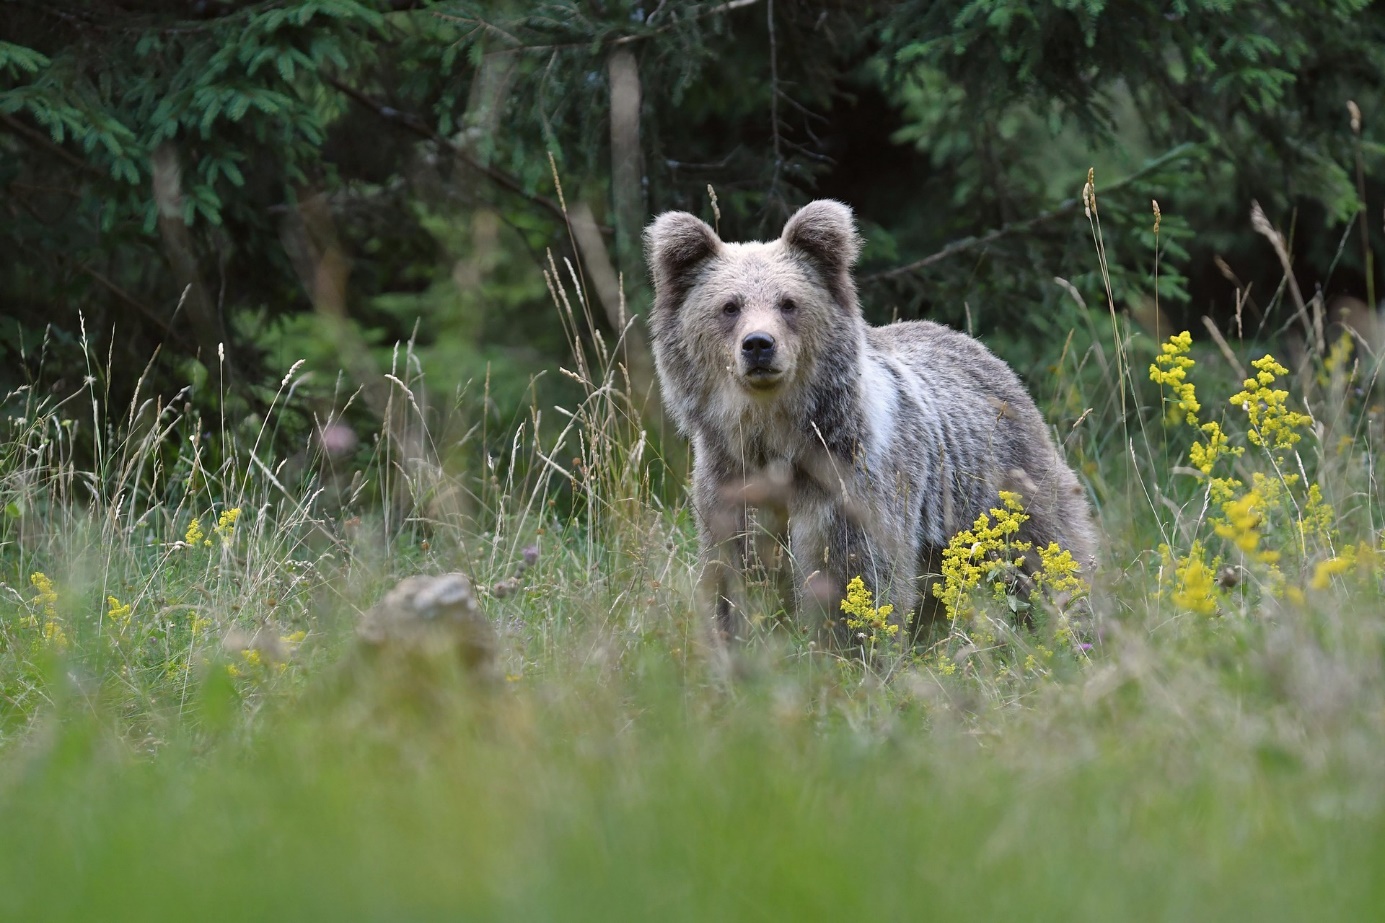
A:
[429,616]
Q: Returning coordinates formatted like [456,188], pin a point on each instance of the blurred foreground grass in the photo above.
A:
[626,793]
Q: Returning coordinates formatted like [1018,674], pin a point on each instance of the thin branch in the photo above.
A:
[149,313]
[1065,208]
[416,125]
[121,294]
[39,139]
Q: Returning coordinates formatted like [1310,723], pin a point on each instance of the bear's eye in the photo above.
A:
[787,305]
[731,307]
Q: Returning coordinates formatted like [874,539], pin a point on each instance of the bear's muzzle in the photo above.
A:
[757,359]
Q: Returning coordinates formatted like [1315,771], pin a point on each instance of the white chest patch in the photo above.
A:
[880,403]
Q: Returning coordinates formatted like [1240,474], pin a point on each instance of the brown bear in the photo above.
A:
[860,449]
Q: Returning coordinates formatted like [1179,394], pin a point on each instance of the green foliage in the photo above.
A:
[224,118]
[179,177]
[1011,102]
[238,102]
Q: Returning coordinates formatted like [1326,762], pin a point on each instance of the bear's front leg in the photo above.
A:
[723,549]
[831,548]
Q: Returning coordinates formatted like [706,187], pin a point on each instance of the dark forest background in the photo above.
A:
[204,192]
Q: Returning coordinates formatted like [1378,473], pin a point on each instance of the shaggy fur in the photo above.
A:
[866,447]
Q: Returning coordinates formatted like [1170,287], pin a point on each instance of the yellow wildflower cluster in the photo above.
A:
[1364,558]
[47,598]
[1271,496]
[1316,517]
[226,523]
[1242,527]
[178,669]
[1170,369]
[117,613]
[225,528]
[1326,570]
[53,634]
[1032,660]
[252,660]
[971,554]
[47,602]
[990,551]
[1195,585]
[195,536]
[1058,571]
[863,616]
[1205,455]
[1058,575]
[944,664]
[1272,424]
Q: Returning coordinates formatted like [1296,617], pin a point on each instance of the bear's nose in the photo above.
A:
[758,349]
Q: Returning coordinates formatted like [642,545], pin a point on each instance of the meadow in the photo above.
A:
[191,729]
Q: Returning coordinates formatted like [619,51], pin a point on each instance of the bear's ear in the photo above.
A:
[675,244]
[826,231]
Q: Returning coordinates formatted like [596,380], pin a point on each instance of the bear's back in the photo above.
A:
[954,365]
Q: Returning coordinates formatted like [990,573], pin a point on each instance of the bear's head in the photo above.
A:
[754,318]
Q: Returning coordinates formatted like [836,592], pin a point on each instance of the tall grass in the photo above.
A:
[1214,747]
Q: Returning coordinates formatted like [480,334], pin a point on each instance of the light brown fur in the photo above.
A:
[865,447]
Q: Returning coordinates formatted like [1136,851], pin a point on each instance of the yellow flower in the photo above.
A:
[1272,423]
[1242,526]
[250,662]
[1195,588]
[1204,456]
[118,613]
[861,615]
[53,634]
[47,602]
[1317,516]
[47,598]
[1367,558]
[1058,571]
[1221,490]
[971,554]
[195,535]
[1170,369]
[1326,570]
[226,523]
[988,549]
[945,664]
[1338,362]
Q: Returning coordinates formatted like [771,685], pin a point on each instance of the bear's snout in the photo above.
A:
[757,352]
